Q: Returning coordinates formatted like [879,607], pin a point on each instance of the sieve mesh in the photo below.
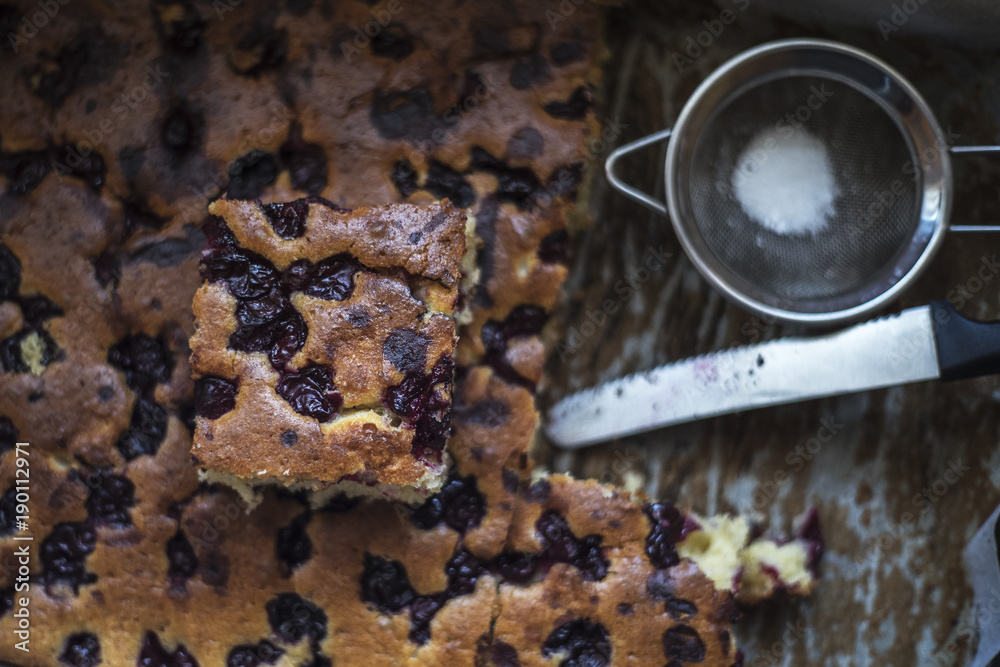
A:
[876,213]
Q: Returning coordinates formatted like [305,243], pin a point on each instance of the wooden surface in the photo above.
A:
[893,588]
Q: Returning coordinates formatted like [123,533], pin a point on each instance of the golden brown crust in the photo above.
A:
[624,612]
[247,441]
[621,610]
[355,351]
[588,507]
[373,337]
[427,241]
[494,424]
[366,635]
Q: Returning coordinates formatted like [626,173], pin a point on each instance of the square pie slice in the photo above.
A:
[323,349]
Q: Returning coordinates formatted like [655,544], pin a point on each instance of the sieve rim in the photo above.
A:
[918,127]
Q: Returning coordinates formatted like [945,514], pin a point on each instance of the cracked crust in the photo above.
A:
[385,329]
[633,611]
[426,241]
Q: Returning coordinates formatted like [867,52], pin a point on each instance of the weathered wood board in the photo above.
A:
[902,477]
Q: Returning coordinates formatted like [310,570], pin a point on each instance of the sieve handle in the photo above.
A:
[618,184]
[973,150]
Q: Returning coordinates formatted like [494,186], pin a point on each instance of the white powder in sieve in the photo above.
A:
[784,181]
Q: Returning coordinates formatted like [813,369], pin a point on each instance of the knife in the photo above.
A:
[918,344]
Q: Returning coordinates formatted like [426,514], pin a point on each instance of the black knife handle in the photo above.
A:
[965,348]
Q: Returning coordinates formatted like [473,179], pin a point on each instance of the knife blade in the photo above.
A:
[912,346]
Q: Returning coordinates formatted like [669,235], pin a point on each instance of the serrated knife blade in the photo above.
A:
[892,350]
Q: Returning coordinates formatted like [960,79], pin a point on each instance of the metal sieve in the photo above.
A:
[888,156]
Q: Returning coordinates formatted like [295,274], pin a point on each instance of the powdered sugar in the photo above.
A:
[785,182]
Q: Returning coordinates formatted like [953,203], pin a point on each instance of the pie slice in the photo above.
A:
[323,350]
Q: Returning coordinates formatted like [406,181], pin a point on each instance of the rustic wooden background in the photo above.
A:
[893,588]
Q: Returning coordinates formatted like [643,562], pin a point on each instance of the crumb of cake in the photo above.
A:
[753,568]
[323,350]
[33,353]
[768,566]
[470,272]
[540,473]
[633,481]
[780,565]
[716,548]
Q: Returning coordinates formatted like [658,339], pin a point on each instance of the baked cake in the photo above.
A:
[628,580]
[121,123]
[324,347]
[615,590]
[730,551]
